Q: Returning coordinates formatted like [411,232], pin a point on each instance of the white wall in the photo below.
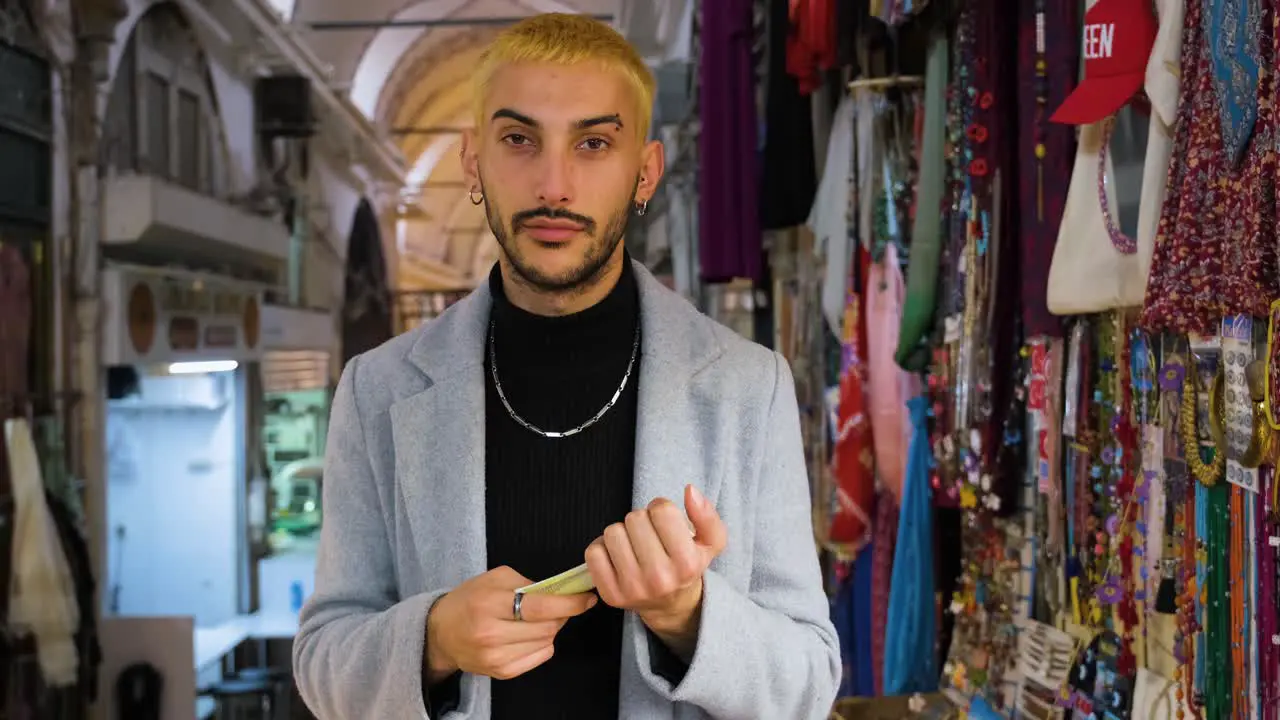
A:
[173,485]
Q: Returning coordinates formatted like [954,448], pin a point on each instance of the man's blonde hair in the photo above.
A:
[560,39]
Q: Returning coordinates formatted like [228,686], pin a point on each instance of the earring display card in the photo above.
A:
[1237,353]
[1097,690]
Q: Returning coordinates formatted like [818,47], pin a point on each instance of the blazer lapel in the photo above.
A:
[671,451]
[439,443]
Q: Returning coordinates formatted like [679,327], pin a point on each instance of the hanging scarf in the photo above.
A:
[1234,54]
[927,230]
[909,660]
[851,460]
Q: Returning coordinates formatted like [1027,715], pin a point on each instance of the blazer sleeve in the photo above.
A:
[771,652]
[359,649]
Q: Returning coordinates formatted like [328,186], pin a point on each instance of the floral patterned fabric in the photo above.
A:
[1215,251]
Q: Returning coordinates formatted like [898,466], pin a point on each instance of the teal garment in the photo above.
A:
[1234,55]
[910,659]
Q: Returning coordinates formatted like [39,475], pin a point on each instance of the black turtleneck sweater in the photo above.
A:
[547,499]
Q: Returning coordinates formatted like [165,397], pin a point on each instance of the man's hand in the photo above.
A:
[651,565]
[472,628]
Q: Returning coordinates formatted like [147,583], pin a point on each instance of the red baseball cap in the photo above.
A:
[1117,39]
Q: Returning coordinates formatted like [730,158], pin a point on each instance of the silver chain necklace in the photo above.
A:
[497,384]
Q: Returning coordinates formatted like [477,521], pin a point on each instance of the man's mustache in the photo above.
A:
[520,218]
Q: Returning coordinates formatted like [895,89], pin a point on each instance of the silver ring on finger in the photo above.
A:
[515,607]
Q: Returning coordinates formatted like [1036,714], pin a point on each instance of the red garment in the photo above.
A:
[886,542]
[811,42]
[852,462]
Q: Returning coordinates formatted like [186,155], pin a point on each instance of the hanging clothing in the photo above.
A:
[1215,249]
[1043,185]
[88,647]
[911,630]
[811,42]
[1162,89]
[852,458]
[789,176]
[658,29]
[889,387]
[829,217]
[42,595]
[864,681]
[730,241]
[913,352]
[884,541]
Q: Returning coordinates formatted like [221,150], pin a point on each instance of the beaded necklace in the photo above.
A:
[1238,601]
[1268,641]
[1188,627]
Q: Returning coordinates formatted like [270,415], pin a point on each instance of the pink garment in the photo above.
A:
[883,547]
[889,387]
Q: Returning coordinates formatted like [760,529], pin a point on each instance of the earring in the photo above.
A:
[641,207]
[471,195]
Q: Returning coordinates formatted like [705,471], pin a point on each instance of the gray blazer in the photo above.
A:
[404,521]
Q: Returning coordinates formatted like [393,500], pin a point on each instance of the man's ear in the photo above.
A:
[653,162]
[470,161]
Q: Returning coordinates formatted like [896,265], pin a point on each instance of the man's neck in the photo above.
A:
[552,304]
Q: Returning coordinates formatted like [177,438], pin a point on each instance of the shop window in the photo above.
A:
[296,397]
[24,177]
[161,115]
[190,158]
[26,180]
[155,105]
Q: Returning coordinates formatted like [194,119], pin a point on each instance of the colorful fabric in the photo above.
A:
[889,386]
[910,665]
[1234,27]
[884,542]
[1215,252]
[852,463]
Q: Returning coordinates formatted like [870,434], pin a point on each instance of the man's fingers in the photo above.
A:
[602,572]
[625,565]
[524,664]
[536,607]
[510,632]
[650,554]
[673,530]
[505,578]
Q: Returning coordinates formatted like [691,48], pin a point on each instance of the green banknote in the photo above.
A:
[569,582]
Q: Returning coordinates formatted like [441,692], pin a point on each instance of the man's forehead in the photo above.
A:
[560,94]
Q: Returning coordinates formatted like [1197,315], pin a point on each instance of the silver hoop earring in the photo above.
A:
[641,207]
[471,195]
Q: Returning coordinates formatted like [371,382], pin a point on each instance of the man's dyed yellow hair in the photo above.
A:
[560,39]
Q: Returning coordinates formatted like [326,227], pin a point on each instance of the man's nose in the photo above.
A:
[556,182]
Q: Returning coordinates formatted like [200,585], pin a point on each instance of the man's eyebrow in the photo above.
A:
[518,117]
[612,119]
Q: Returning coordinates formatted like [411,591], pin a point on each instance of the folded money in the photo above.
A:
[569,582]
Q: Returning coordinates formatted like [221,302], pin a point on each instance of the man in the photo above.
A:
[564,412]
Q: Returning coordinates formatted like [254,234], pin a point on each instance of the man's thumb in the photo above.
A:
[709,529]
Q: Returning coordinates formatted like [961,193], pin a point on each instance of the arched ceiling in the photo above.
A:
[412,80]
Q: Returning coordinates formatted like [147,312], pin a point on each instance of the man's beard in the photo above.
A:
[600,249]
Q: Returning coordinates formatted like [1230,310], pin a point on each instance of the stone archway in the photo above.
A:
[366,307]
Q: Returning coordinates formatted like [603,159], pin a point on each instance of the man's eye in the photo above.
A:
[595,144]
[516,139]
